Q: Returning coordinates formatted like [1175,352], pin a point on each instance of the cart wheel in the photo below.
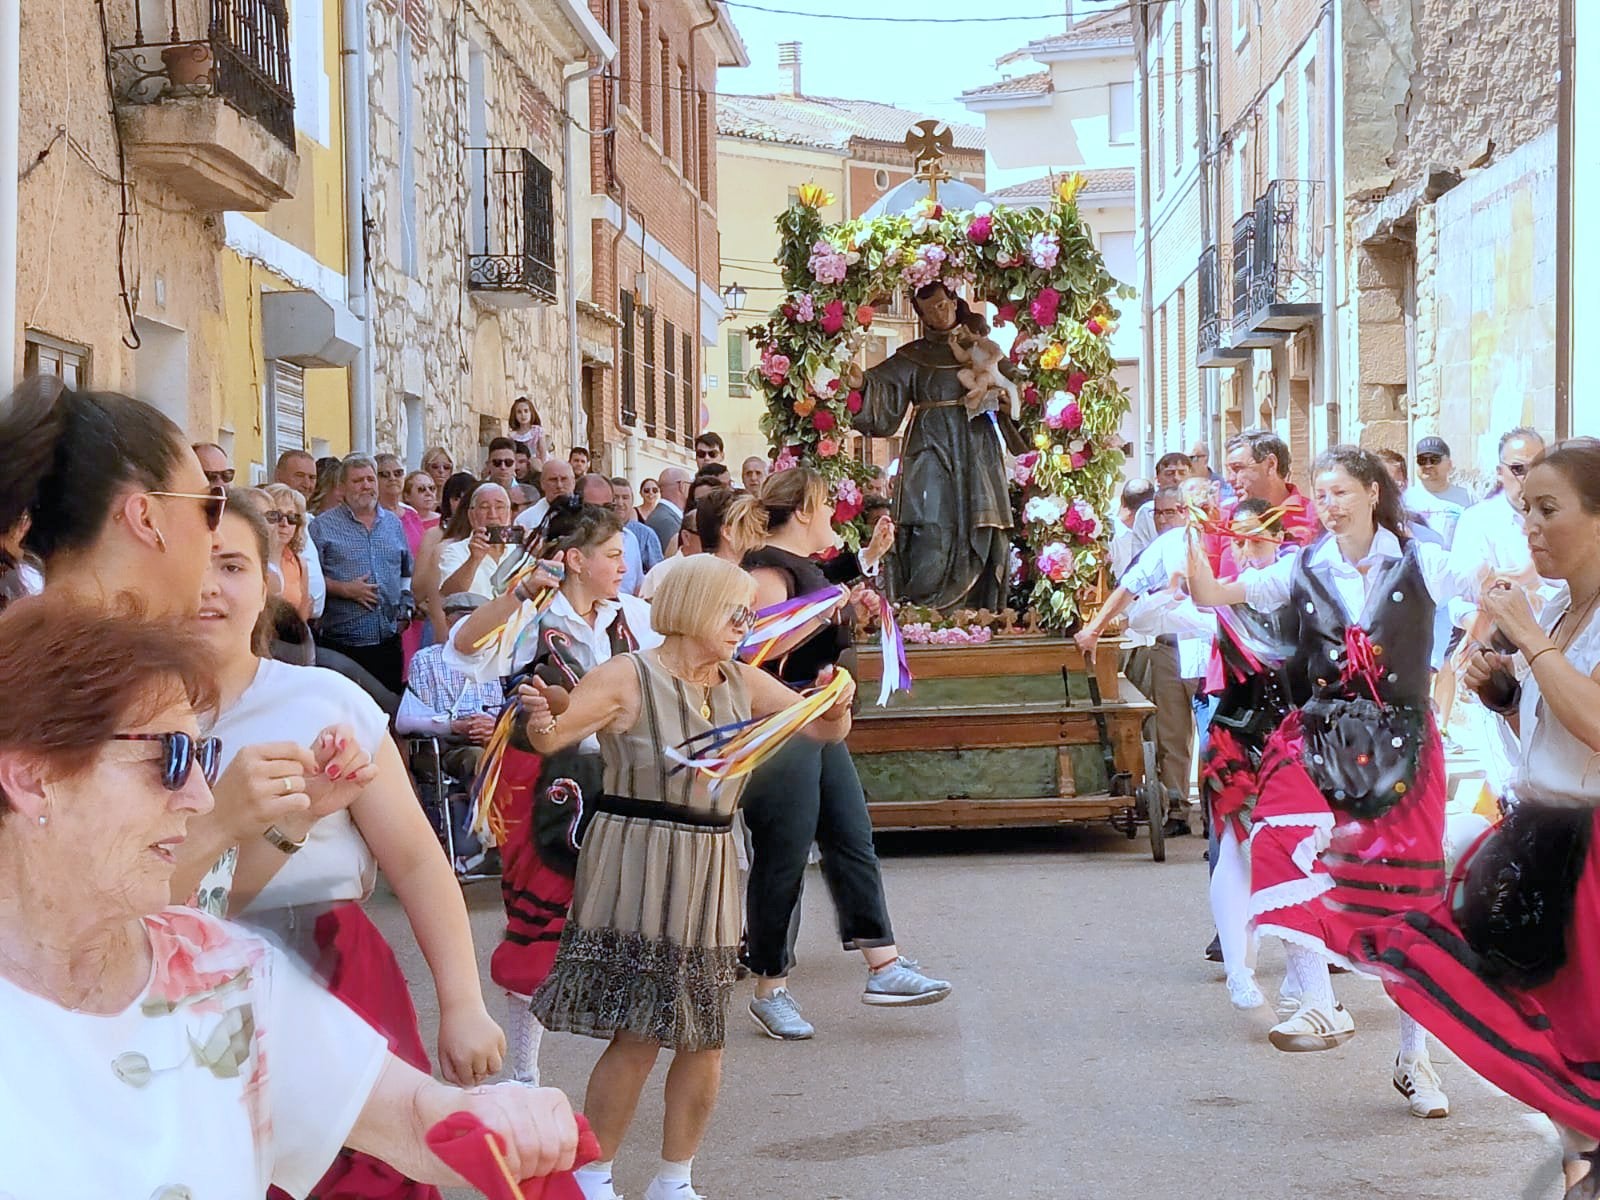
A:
[1154,811]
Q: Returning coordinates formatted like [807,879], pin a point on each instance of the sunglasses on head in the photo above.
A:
[1520,470]
[215,477]
[1429,460]
[180,753]
[216,500]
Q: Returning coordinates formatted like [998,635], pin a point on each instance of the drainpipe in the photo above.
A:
[631,441]
[694,207]
[353,83]
[1147,350]
[1565,147]
[570,190]
[10,106]
[1332,151]
[1209,231]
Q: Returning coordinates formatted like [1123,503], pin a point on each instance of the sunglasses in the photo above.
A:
[391,474]
[743,617]
[650,491]
[1429,460]
[216,500]
[181,752]
[705,453]
[215,477]
[502,462]
[274,517]
[1520,470]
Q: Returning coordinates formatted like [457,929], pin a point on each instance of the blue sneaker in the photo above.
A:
[902,983]
[779,1017]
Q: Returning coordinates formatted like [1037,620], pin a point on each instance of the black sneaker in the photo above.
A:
[1214,950]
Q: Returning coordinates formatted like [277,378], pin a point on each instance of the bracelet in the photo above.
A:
[278,840]
[1548,649]
[548,729]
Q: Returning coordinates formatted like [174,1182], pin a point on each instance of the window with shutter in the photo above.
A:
[687,377]
[627,383]
[288,407]
[650,424]
[669,379]
[737,384]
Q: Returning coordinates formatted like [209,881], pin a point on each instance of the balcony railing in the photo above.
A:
[1213,344]
[511,256]
[234,50]
[1285,286]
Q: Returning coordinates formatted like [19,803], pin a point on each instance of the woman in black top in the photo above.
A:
[809,792]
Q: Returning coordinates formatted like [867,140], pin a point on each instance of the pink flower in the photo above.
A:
[978,232]
[1005,314]
[833,316]
[1030,396]
[847,490]
[786,460]
[1078,461]
[1045,306]
[1043,250]
[193,955]
[827,265]
[864,315]
[1075,382]
[1055,561]
[1022,469]
[804,307]
[1062,412]
[853,402]
[827,447]
[822,420]
[1093,326]
[774,366]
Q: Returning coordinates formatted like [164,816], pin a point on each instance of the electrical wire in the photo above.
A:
[128,210]
[995,20]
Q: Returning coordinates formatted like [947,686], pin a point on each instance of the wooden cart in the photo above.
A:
[1009,733]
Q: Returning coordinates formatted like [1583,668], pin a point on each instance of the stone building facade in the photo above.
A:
[473,288]
[1450,219]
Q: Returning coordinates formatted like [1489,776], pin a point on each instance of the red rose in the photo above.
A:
[978,231]
[822,420]
[864,315]
[853,402]
[1078,461]
[1045,306]
[1093,326]
[833,316]
[1075,382]
[1030,396]
[1005,314]
[846,510]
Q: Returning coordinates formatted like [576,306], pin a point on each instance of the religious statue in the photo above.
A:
[952,503]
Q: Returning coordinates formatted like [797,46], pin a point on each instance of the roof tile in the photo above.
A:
[826,122]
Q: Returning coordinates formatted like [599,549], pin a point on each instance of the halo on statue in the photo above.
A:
[1040,270]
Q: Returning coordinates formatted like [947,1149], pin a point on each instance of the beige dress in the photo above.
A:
[651,944]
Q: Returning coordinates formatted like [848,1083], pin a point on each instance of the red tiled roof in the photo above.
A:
[1109,181]
[825,121]
[1036,84]
[1112,25]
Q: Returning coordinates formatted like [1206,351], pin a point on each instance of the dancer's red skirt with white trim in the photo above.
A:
[1539,1044]
[536,896]
[1318,876]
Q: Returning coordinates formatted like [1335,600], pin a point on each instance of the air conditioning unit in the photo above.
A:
[1302,355]
[641,290]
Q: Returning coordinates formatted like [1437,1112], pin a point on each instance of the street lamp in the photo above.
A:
[733,297]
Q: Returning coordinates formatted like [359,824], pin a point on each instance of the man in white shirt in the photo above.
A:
[1171,470]
[1433,497]
[1136,493]
[555,480]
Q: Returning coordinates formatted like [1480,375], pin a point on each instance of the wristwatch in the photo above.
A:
[276,837]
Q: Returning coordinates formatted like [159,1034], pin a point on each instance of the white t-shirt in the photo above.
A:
[1441,511]
[123,1106]
[286,703]
[454,553]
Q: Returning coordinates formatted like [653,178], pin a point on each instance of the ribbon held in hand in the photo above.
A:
[476,1153]
[731,751]
[777,621]
[896,671]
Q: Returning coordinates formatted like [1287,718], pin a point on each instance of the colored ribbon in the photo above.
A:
[476,1153]
[892,645]
[1361,660]
[485,821]
[777,621]
[734,750]
[526,616]
[1266,523]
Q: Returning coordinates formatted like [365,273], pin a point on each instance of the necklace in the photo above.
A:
[683,676]
[1572,621]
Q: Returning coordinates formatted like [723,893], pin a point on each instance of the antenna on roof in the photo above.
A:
[789,60]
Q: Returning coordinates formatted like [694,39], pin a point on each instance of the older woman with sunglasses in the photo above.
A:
[286,520]
[167,1053]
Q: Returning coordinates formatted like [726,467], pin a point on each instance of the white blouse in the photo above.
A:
[1268,588]
[232,1072]
[1555,767]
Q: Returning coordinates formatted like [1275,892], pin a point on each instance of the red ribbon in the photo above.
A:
[1361,660]
[475,1152]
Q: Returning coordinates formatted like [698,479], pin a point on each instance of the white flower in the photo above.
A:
[982,208]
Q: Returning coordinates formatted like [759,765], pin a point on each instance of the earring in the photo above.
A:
[160,541]
[43,819]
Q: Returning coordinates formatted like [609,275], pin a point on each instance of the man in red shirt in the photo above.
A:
[1257,466]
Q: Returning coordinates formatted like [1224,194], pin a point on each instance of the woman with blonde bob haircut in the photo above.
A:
[287,518]
[649,951]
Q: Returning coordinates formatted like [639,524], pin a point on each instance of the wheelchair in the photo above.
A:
[448,803]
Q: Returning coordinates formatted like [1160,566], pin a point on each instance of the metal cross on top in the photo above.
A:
[928,145]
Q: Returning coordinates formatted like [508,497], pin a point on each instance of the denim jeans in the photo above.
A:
[809,792]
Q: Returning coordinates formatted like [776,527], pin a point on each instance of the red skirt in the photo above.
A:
[1318,876]
[359,967]
[536,896]
[1540,1044]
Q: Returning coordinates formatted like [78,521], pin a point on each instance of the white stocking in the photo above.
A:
[523,1034]
[1413,1039]
[1230,903]
[1310,970]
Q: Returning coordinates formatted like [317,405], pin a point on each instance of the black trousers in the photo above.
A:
[809,792]
[383,661]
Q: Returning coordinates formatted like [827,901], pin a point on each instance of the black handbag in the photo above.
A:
[1513,898]
[1361,755]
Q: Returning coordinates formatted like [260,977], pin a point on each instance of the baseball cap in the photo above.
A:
[1433,445]
[464,602]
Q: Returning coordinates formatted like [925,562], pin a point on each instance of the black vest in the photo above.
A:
[830,643]
[1399,622]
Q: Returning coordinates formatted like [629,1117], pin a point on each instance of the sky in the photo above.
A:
[922,67]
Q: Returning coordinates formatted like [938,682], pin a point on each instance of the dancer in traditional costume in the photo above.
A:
[543,803]
[648,956]
[1349,818]
[1504,969]
[304,880]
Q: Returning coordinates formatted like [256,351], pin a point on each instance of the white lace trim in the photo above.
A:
[1308,941]
[1291,894]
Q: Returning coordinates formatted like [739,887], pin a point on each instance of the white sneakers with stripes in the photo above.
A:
[1313,1027]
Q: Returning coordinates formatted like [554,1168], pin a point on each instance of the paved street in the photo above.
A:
[1087,1052]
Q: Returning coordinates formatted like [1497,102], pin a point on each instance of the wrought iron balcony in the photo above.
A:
[1285,291]
[1213,348]
[204,99]
[1244,337]
[511,253]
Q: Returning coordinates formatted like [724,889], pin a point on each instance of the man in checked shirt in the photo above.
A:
[444,703]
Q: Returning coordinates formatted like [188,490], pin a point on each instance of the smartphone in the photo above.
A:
[505,535]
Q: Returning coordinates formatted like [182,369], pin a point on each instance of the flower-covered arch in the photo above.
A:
[1040,270]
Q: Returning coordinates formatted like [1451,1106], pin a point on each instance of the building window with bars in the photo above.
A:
[650,424]
[45,355]
[687,376]
[669,378]
[738,385]
[626,382]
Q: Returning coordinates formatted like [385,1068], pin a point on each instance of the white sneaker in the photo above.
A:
[1312,1028]
[1288,1003]
[660,1189]
[595,1186]
[1242,990]
[1418,1082]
